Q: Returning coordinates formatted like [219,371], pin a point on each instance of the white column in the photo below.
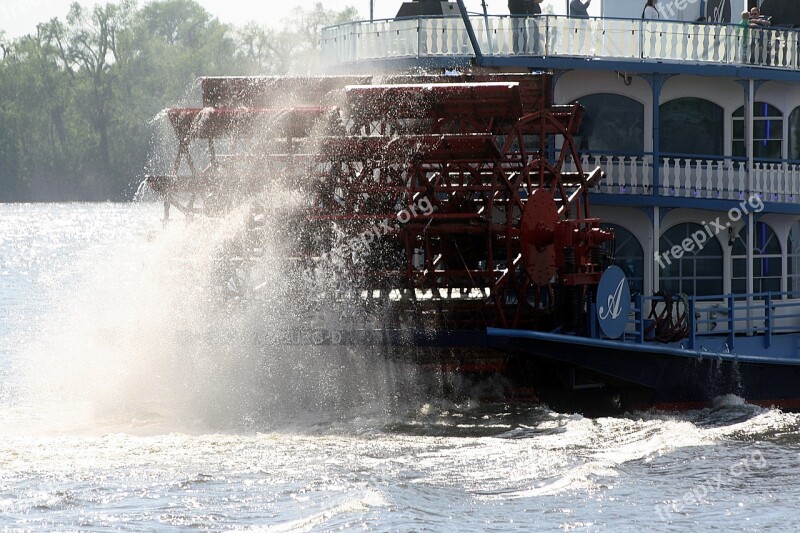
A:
[748,142]
[656,236]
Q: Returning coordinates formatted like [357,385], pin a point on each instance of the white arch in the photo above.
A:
[573,85]
[638,223]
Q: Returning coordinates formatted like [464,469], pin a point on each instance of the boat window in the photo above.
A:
[628,255]
[794,134]
[793,251]
[767,270]
[697,272]
[767,132]
[612,123]
[692,126]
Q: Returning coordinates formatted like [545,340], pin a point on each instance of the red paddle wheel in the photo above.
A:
[448,195]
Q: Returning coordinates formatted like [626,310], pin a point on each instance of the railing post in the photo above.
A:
[645,174]
[488,32]
[688,178]
[656,84]
[594,331]
[639,318]
[352,48]
[547,35]
[731,322]
[419,38]
[692,323]
[768,320]
[641,39]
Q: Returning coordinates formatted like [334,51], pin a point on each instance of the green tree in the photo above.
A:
[306,58]
[77,99]
[39,91]
[89,56]
[10,174]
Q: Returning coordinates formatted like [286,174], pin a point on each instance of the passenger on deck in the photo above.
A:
[533,6]
[518,10]
[535,9]
[744,24]
[650,11]
[650,43]
[760,52]
[757,20]
[744,35]
[578,9]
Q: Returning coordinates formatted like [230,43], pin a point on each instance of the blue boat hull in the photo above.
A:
[576,373]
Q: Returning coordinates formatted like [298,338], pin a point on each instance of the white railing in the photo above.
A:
[563,36]
[624,174]
[724,179]
[420,37]
[727,179]
[703,178]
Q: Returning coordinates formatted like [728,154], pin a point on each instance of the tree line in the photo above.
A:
[77,99]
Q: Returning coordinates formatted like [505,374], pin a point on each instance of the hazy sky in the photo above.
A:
[19,17]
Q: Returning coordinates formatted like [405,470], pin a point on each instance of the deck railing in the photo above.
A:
[731,315]
[695,177]
[555,35]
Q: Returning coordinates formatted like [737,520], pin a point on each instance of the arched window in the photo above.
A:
[691,126]
[794,134]
[611,123]
[766,261]
[793,253]
[628,255]
[686,267]
[767,132]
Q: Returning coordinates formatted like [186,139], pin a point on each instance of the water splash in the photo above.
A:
[150,334]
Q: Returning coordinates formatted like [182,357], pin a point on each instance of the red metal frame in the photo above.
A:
[476,150]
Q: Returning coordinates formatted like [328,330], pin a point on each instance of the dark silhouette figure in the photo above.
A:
[519,9]
[578,9]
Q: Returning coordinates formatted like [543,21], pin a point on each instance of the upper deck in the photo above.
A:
[659,60]
[556,41]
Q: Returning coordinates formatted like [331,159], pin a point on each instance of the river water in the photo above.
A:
[113,418]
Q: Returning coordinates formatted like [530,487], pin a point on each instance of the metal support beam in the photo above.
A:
[748,143]
[473,39]
[656,82]
[489,30]
[656,236]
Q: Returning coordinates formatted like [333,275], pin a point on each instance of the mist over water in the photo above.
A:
[149,329]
